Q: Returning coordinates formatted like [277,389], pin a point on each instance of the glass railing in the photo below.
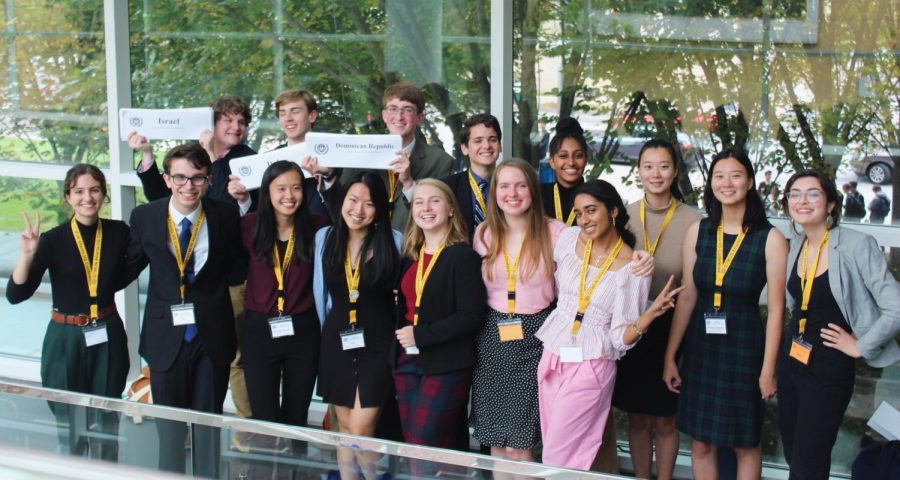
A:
[156,438]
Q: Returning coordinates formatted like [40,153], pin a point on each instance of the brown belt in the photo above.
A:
[81,320]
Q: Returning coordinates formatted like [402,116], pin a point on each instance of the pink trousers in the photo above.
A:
[574,401]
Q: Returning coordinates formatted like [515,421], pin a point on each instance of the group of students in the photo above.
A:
[416,289]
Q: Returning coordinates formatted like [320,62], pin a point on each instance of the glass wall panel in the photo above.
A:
[55,74]
[345,53]
[798,83]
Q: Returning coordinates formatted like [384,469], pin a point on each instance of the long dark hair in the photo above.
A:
[266,231]
[606,194]
[379,239]
[754,212]
[667,146]
[828,188]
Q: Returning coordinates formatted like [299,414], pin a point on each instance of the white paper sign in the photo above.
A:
[165,124]
[251,167]
[353,151]
[886,421]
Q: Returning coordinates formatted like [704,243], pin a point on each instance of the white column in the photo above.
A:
[502,68]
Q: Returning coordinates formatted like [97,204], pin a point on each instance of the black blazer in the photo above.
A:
[451,312]
[459,183]
[225,265]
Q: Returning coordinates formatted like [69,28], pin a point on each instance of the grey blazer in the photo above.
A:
[866,292]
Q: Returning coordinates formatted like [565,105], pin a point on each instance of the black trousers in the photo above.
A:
[811,406]
[193,382]
[281,372]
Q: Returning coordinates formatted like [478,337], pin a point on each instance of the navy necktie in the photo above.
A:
[184,238]
[477,212]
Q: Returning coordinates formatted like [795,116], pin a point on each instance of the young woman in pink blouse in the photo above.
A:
[597,319]
[516,241]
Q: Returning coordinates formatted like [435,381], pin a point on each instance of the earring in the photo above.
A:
[829,221]
[612,221]
[376,226]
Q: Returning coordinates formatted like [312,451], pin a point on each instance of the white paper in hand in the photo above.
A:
[165,124]
[354,151]
[250,168]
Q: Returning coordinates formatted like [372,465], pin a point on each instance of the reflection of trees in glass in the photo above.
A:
[715,8]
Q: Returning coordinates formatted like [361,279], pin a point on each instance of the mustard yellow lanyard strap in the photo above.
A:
[722,266]
[651,247]
[585,294]
[476,190]
[421,277]
[91,268]
[808,278]
[351,273]
[511,272]
[393,182]
[281,268]
[557,206]
[182,261]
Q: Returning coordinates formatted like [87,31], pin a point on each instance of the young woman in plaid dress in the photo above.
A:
[729,356]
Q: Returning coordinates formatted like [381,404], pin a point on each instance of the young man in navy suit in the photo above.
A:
[188,337]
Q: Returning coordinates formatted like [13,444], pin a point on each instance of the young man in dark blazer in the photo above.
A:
[191,243]
[479,140]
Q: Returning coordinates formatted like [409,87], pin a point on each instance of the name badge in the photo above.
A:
[800,350]
[183,314]
[412,350]
[715,324]
[353,339]
[571,354]
[95,334]
[282,326]
[510,329]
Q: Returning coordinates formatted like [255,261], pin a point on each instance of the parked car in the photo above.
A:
[630,146]
[877,168]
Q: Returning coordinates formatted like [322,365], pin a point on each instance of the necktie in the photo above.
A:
[477,212]
[184,237]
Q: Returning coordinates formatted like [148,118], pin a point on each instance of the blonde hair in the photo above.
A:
[537,243]
[414,237]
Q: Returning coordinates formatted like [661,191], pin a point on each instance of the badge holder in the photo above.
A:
[800,350]
[281,326]
[94,333]
[571,354]
[183,314]
[716,323]
[412,350]
[510,329]
[353,338]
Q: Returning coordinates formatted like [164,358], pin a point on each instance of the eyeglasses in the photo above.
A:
[406,111]
[196,180]
[809,195]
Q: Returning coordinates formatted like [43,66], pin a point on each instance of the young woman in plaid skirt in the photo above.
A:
[729,356]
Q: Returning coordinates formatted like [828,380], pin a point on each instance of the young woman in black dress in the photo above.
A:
[356,261]
[85,348]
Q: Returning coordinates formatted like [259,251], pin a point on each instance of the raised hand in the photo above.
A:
[666,298]
[31,234]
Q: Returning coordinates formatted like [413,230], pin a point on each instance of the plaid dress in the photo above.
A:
[720,401]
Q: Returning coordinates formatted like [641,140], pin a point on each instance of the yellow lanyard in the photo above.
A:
[585,294]
[351,273]
[557,204]
[476,190]
[722,266]
[182,262]
[281,268]
[421,278]
[393,181]
[806,281]
[511,279]
[91,268]
[668,218]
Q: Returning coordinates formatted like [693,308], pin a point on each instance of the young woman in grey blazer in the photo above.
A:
[845,304]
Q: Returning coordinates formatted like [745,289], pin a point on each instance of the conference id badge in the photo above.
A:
[183,314]
[95,334]
[571,354]
[510,329]
[412,350]
[281,326]
[353,339]
[800,350]
[715,323]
